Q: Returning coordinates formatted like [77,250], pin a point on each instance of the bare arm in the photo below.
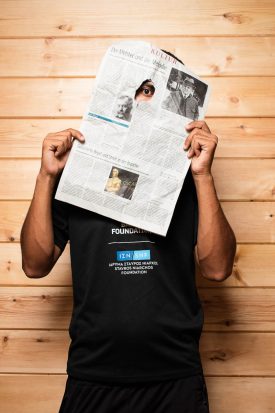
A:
[216,242]
[39,254]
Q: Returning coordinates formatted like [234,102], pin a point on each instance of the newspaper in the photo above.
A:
[132,165]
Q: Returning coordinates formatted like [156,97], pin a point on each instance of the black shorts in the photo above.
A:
[184,395]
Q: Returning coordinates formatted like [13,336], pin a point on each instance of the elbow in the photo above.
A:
[32,272]
[38,266]
[222,276]
[216,276]
[221,267]
[219,273]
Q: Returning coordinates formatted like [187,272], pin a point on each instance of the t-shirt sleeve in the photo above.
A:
[60,220]
[196,212]
[196,220]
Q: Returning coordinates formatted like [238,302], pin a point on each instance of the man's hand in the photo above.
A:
[202,145]
[55,151]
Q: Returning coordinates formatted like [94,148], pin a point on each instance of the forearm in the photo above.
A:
[216,242]
[37,241]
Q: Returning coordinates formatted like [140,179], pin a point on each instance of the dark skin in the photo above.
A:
[216,243]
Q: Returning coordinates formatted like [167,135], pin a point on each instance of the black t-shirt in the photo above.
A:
[136,314]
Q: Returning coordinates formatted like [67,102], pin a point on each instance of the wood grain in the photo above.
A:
[226,309]
[223,353]
[97,18]
[79,57]
[63,97]
[50,55]
[235,179]
[252,222]
[254,267]
[238,137]
[43,393]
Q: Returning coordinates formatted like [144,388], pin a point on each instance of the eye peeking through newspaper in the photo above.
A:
[146,91]
[132,165]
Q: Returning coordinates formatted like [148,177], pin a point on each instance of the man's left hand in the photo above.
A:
[201,144]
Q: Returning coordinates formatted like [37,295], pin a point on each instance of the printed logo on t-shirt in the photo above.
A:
[137,255]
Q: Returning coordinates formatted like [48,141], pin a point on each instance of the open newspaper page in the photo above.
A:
[132,165]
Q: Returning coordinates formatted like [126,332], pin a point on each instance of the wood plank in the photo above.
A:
[254,267]
[41,393]
[68,97]
[244,137]
[39,307]
[250,137]
[234,353]
[235,179]
[226,309]
[11,272]
[30,18]
[238,309]
[250,179]
[207,56]
[253,222]
[37,393]
[237,353]
[239,395]
[46,97]
[36,351]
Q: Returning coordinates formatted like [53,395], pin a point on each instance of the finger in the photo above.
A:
[66,137]
[197,132]
[62,142]
[190,153]
[72,133]
[198,142]
[196,148]
[201,124]
[58,146]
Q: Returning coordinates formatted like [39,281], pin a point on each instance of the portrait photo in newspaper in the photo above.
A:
[121,182]
[185,94]
[123,108]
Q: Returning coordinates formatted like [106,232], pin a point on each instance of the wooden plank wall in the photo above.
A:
[50,52]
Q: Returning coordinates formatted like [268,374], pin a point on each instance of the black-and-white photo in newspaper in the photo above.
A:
[124,106]
[185,94]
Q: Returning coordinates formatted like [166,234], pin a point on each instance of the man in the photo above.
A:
[135,328]
[189,105]
[124,108]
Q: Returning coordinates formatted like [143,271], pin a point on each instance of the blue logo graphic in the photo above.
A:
[138,255]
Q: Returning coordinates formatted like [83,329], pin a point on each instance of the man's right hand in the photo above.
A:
[55,150]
